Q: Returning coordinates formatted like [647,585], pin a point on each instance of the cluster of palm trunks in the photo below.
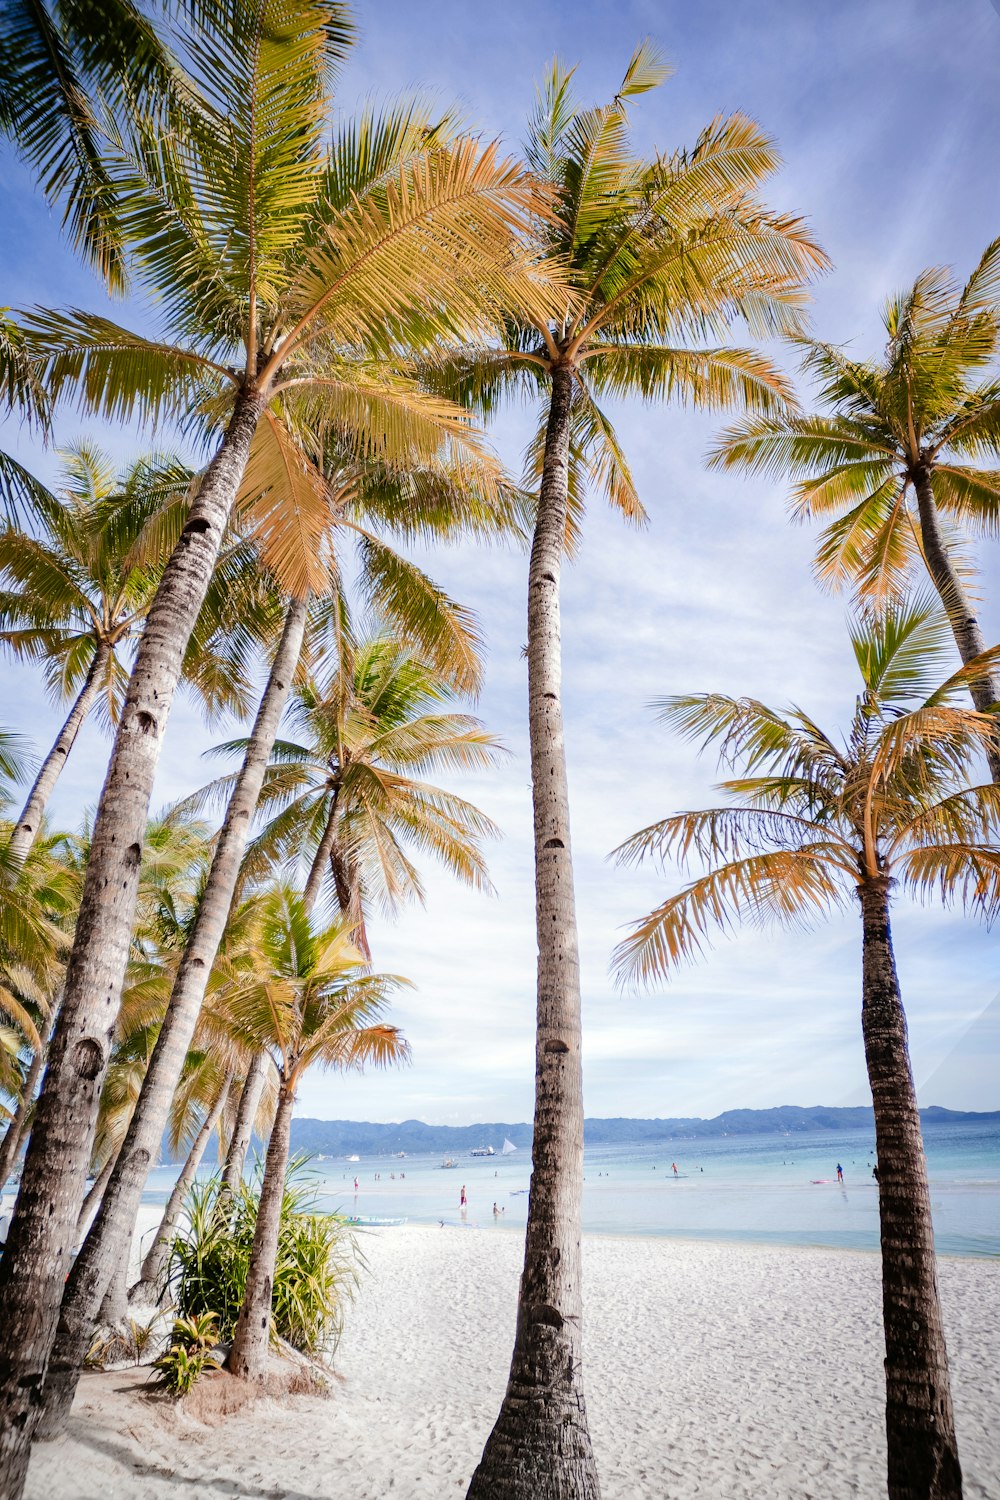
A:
[337,313]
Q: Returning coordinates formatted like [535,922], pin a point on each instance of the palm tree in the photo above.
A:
[74,598]
[289,273]
[895,454]
[660,253]
[58,63]
[816,824]
[310,1001]
[38,900]
[301,551]
[347,791]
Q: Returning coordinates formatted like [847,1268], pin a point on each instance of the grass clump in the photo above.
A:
[315,1274]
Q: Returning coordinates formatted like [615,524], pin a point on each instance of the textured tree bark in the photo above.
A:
[103,1262]
[321,859]
[92,1201]
[540,1446]
[246,1113]
[28,824]
[248,1356]
[18,1127]
[35,1261]
[984,690]
[920,1425]
[155,1263]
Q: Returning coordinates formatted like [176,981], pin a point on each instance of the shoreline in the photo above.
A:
[712,1369]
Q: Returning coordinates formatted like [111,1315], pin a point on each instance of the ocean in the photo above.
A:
[769,1189]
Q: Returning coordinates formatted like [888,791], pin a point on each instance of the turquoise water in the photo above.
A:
[777,1189]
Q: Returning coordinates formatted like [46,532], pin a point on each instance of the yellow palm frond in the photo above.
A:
[785,887]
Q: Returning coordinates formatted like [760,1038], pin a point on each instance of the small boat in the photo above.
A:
[399,1155]
[448,1162]
[483,1151]
[353,1158]
[508,1147]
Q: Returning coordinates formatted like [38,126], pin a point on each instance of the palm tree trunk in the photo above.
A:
[28,824]
[958,606]
[107,1248]
[92,1202]
[920,1425]
[540,1447]
[35,1262]
[246,1113]
[155,1262]
[248,1357]
[17,1129]
[322,857]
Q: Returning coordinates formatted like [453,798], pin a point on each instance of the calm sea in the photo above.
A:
[772,1189]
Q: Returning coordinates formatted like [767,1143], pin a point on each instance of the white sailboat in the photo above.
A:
[508,1147]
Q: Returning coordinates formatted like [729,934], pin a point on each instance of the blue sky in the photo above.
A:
[888,123]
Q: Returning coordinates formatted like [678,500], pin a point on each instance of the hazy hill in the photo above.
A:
[344,1137]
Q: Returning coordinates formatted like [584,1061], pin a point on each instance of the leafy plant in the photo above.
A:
[115,1346]
[315,1274]
[190,1354]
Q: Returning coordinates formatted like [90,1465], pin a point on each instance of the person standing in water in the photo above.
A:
[463,1200]
[840,1172]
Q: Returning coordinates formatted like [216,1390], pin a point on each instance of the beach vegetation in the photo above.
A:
[295,277]
[316,1265]
[662,254]
[897,459]
[348,790]
[191,1352]
[310,1000]
[816,822]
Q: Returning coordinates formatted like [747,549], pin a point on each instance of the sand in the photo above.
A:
[718,1371]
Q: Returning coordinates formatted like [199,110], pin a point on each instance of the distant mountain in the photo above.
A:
[346,1137]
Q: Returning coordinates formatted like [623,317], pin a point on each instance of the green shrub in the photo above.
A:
[315,1273]
[190,1353]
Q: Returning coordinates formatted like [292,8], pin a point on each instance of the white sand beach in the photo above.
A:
[723,1371]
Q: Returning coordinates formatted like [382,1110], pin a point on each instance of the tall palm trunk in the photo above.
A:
[984,691]
[18,1127]
[28,824]
[95,1192]
[920,1425]
[344,879]
[246,1113]
[321,859]
[540,1447]
[106,1253]
[248,1357]
[154,1264]
[35,1262]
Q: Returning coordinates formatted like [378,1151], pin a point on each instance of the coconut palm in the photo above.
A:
[662,254]
[290,273]
[299,543]
[310,1001]
[73,598]
[59,62]
[348,794]
[212,1056]
[38,901]
[896,453]
[817,823]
